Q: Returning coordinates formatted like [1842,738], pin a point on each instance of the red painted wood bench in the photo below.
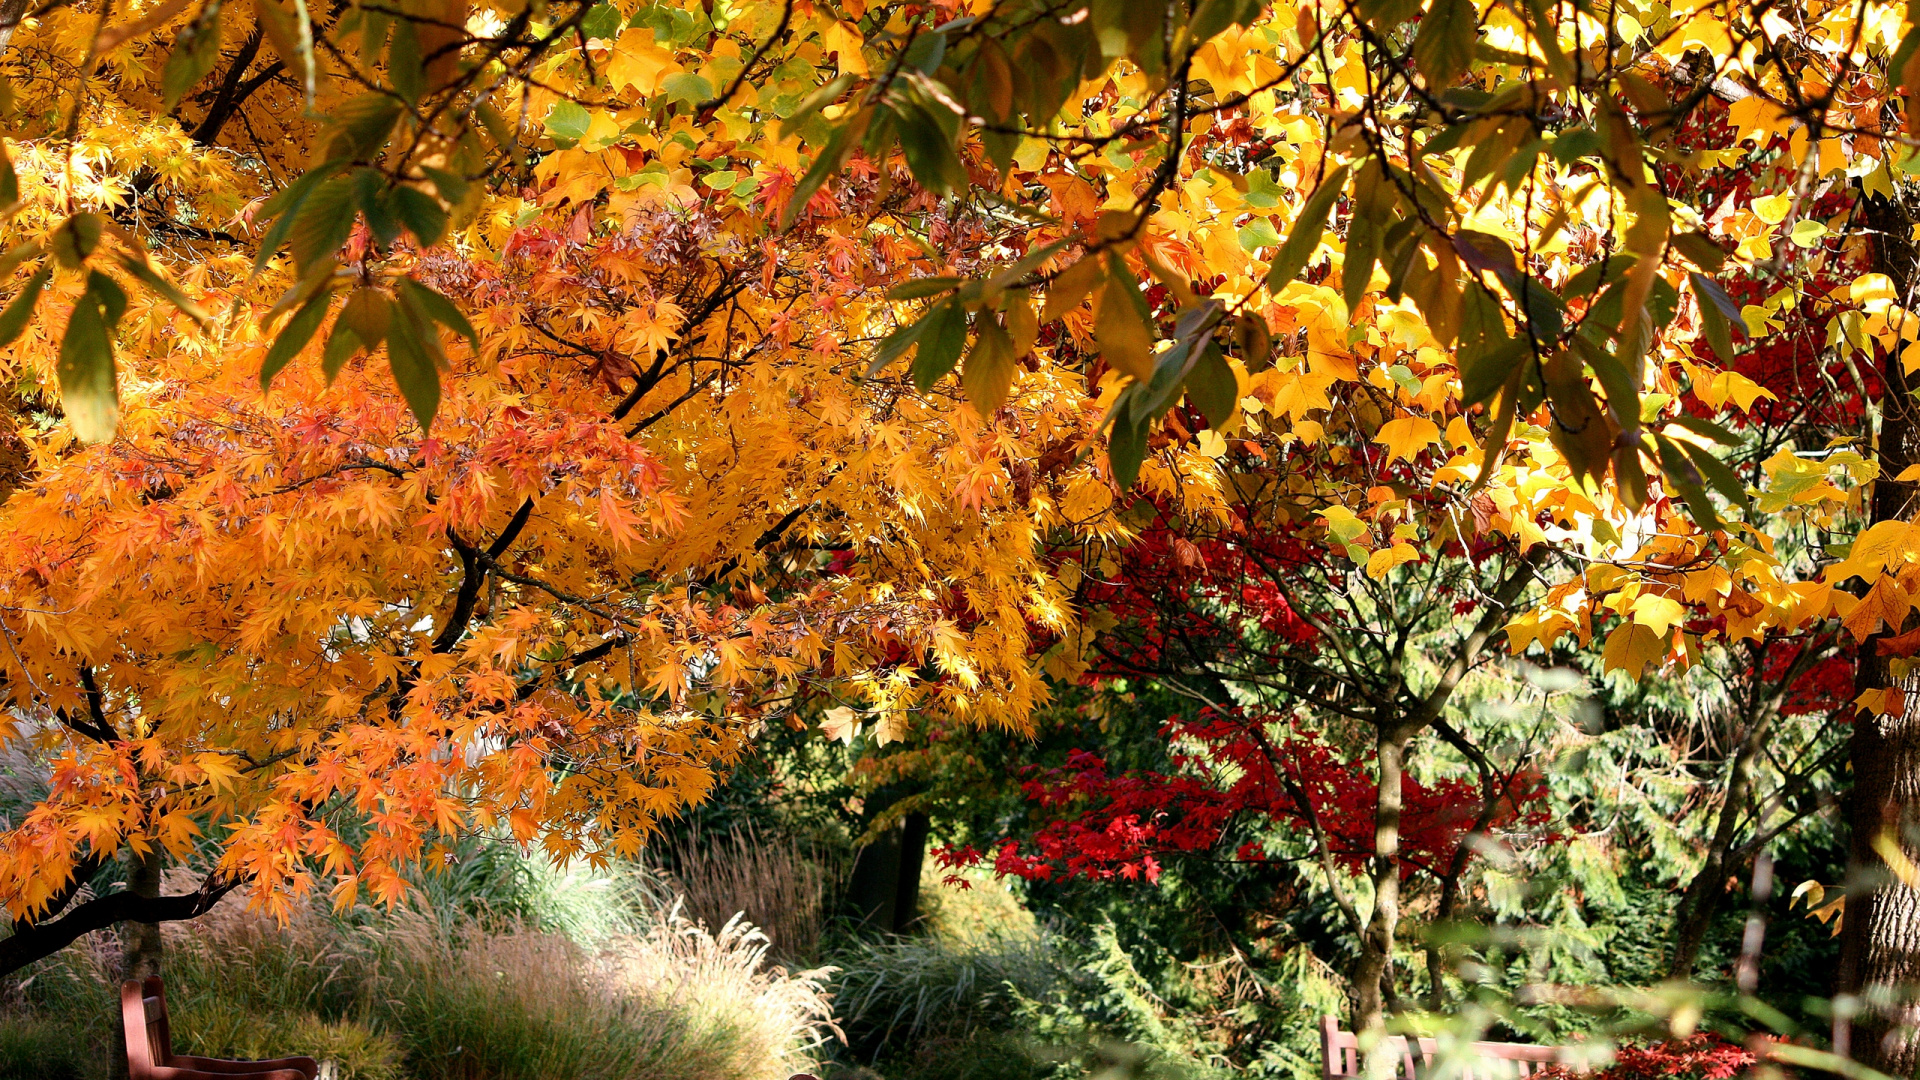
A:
[150,1056]
[1414,1058]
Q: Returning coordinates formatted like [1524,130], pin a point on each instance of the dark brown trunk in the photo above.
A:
[1880,953]
[1373,977]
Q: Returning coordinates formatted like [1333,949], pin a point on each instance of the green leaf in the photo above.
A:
[1257,234]
[1212,387]
[929,151]
[284,206]
[1681,473]
[439,309]
[291,33]
[1487,353]
[1708,429]
[1489,364]
[89,390]
[293,337]
[323,223]
[813,103]
[422,215]
[109,295]
[414,370]
[1718,473]
[920,288]
[452,186]
[894,345]
[371,195]
[368,314]
[569,120]
[195,52]
[405,67]
[829,161]
[603,21]
[1169,374]
[502,135]
[686,86]
[1699,247]
[341,345]
[1028,264]
[13,321]
[1718,315]
[9,181]
[359,127]
[1127,442]
[926,52]
[1304,240]
[988,374]
[1505,407]
[76,238]
[945,334]
[1444,48]
[148,276]
[1213,16]
[1363,247]
[1807,233]
[1623,396]
[1122,325]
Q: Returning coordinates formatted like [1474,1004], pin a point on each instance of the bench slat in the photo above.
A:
[1487,1061]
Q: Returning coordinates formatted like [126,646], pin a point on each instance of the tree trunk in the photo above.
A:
[1702,901]
[141,946]
[1372,980]
[1880,952]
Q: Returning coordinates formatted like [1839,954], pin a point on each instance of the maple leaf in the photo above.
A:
[840,722]
[1885,602]
[1407,436]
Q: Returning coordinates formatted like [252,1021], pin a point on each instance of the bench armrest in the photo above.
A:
[174,1072]
[305,1066]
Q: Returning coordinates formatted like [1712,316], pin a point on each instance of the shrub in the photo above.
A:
[1700,1057]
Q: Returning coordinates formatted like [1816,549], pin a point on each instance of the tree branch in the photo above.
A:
[41,940]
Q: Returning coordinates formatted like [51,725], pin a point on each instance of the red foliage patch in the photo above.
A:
[1238,769]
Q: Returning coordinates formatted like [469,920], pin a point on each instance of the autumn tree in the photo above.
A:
[650,513]
[671,293]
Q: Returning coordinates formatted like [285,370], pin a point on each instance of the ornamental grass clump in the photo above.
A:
[447,992]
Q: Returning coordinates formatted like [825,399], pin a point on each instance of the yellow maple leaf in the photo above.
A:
[1407,436]
[1631,647]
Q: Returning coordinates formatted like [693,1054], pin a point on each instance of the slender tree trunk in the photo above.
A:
[1701,903]
[1880,957]
[1373,975]
[141,946]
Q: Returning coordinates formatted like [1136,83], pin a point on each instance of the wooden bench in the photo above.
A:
[1484,1060]
[150,1056]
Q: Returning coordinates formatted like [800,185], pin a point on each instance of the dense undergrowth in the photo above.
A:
[531,975]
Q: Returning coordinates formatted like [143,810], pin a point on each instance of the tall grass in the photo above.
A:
[778,883]
[906,989]
[438,991]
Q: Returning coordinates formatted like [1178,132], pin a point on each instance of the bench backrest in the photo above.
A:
[143,1014]
[1414,1059]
